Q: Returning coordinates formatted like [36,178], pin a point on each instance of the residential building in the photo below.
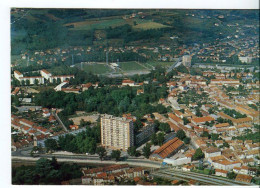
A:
[116,132]
[144,133]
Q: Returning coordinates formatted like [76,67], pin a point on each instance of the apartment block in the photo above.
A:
[116,132]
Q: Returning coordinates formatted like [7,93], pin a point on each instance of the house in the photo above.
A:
[173,126]
[26,122]
[174,119]
[134,172]
[168,149]
[16,91]
[252,154]
[139,91]
[46,112]
[220,172]
[70,90]
[219,142]
[128,82]
[188,167]
[244,178]
[240,121]
[221,125]
[201,120]
[244,170]
[74,127]
[212,152]
[236,170]
[225,164]
[86,86]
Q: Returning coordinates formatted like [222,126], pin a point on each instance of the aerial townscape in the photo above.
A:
[135,97]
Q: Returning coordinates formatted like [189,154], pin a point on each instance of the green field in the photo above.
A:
[149,25]
[97,24]
[95,68]
[131,66]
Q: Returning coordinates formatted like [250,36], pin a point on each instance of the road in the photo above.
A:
[171,174]
[57,117]
[176,64]
[24,154]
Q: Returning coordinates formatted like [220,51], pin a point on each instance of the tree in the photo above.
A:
[27,82]
[154,139]
[132,151]
[198,113]
[186,140]
[160,138]
[101,151]
[165,127]
[36,82]
[198,154]
[231,175]
[51,144]
[147,150]
[214,136]
[181,134]
[226,145]
[185,120]
[116,154]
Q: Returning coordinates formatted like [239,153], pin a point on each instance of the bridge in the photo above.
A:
[176,64]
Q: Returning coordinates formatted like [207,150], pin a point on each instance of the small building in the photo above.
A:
[244,178]
[220,172]
[212,152]
[128,82]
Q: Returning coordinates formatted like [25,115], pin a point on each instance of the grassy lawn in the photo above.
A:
[95,68]
[205,171]
[130,66]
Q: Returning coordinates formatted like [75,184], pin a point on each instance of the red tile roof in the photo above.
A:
[173,126]
[168,148]
[175,118]
[128,81]
[45,71]
[203,119]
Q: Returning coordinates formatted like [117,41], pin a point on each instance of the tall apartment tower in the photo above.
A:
[116,132]
[186,60]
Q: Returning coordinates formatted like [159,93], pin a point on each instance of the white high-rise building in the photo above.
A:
[116,132]
[186,60]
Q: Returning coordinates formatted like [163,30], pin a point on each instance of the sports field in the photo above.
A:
[130,66]
[96,68]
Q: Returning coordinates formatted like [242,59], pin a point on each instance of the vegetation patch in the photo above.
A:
[149,25]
